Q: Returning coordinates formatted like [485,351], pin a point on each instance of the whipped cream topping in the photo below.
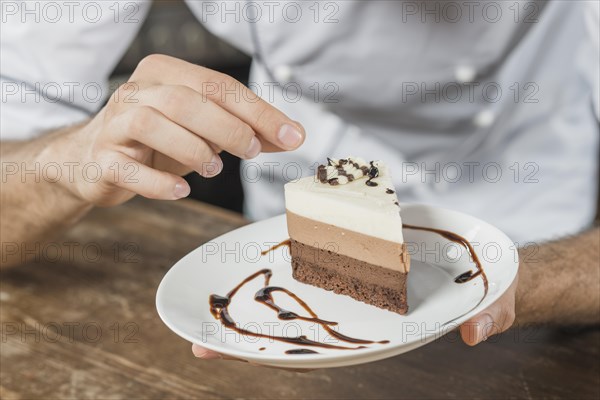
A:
[371,209]
[342,171]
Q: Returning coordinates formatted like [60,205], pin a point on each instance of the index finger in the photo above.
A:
[276,130]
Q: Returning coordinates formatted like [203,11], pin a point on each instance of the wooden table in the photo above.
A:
[82,324]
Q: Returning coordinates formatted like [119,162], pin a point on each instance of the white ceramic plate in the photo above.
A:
[437,304]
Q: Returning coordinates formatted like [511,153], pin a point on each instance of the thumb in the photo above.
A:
[495,319]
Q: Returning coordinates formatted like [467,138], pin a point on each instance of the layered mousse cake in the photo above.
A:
[346,233]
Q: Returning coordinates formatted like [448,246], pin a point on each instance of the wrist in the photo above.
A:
[62,165]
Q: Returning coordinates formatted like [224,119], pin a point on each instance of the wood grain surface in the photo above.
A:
[80,323]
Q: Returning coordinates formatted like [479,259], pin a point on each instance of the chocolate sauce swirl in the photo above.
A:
[453,237]
[219,308]
[301,351]
[219,305]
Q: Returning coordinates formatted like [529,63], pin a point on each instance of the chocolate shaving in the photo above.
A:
[322,174]
[348,168]
[373,171]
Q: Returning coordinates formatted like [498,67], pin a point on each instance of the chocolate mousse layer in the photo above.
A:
[363,281]
[371,250]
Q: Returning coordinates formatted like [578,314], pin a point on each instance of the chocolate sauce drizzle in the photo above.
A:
[453,237]
[219,305]
[219,308]
[286,242]
[301,351]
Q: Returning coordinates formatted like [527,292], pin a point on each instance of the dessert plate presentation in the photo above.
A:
[197,289]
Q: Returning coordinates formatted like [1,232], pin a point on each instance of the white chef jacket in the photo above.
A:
[490,108]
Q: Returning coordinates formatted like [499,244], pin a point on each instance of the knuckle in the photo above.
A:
[219,77]
[141,120]
[261,115]
[155,188]
[123,96]
[239,137]
[172,100]
[198,153]
[151,61]
[106,160]
[217,84]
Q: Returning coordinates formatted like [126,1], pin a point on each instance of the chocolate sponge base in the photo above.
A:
[371,284]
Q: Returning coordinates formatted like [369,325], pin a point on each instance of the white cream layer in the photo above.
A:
[354,206]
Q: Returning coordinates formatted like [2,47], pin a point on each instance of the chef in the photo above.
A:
[490,108]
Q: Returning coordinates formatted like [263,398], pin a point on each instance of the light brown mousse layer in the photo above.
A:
[369,249]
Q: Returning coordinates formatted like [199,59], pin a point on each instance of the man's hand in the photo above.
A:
[171,118]
[495,319]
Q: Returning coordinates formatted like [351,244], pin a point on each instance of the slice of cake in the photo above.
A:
[346,233]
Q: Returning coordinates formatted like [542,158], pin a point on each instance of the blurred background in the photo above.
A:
[172,29]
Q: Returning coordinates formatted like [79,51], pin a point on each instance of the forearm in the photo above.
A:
[559,282]
[35,207]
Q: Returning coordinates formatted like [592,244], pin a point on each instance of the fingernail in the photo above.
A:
[253,149]
[181,190]
[213,168]
[486,328]
[290,136]
[210,356]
